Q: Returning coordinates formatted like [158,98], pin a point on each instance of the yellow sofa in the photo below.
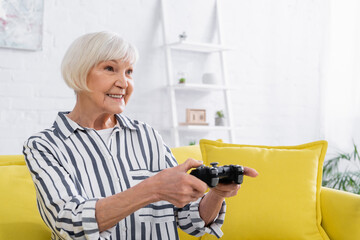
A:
[19,217]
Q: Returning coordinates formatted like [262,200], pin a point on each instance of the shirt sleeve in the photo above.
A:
[189,220]
[69,214]
[188,217]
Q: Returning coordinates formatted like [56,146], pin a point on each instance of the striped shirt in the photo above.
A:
[72,167]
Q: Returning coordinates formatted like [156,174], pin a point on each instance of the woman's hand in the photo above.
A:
[210,205]
[173,185]
[176,186]
[230,190]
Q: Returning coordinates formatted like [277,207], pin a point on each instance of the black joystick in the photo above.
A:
[209,175]
[223,174]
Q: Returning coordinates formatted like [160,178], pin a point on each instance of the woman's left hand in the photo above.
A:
[225,190]
[210,205]
[230,190]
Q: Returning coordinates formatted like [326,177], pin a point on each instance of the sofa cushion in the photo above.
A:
[19,218]
[283,202]
[182,154]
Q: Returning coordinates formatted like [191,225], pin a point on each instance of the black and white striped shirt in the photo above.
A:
[72,167]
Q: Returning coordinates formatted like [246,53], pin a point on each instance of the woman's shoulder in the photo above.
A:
[56,130]
[42,135]
[44,140]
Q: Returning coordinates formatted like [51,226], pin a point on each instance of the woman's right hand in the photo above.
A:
[176,186]
[173,185]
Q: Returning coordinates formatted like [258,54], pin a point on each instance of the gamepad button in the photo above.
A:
[213,164]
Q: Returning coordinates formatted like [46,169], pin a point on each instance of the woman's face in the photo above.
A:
[111,86]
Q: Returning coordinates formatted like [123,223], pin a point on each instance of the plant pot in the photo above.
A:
[219,121]
[209,78]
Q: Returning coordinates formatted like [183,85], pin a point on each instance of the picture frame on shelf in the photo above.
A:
[195,117]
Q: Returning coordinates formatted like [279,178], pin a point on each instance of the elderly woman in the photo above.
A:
[99,174]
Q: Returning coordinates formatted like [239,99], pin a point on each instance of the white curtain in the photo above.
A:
[341,76]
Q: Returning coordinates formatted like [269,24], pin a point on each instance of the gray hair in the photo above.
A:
[89,50]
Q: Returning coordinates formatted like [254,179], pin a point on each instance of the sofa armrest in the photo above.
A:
[341,214]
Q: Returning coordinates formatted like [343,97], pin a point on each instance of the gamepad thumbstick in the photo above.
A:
[214,164]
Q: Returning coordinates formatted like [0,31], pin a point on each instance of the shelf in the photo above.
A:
[201,87]
[197,47]
[197,128]
[195,86]
[203,128]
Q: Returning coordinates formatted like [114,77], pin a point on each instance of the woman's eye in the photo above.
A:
[109,68]
[129,72]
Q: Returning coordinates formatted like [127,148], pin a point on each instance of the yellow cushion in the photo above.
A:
[283,202]
[19,216]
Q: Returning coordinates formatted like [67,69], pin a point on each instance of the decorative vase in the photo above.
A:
[209,78]
[219,121]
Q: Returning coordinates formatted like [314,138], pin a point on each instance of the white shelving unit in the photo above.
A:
[173,87]
[197,47]
[199,87]
[203,128]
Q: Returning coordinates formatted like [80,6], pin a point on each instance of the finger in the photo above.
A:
[197,184]
[188,164]
[250,172]
[226,190]
[227,187]
[195,196]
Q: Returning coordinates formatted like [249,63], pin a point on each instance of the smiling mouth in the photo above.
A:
[118,96]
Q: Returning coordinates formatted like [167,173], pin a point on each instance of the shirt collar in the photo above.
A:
[125,122]
[67,126]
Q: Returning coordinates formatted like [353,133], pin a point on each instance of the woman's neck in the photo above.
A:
[91,119]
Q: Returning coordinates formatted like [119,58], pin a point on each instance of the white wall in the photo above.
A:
[341,79]
[277,65]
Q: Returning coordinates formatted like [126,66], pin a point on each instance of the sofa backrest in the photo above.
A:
[183,153]
[19,218]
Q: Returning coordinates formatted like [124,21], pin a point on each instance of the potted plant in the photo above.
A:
[181,76]
[219,118]
[342,172]
[182,80]
[192,143]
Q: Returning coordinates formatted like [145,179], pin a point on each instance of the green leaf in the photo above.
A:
[343,180]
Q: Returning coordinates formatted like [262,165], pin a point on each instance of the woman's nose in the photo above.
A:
[121,81]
